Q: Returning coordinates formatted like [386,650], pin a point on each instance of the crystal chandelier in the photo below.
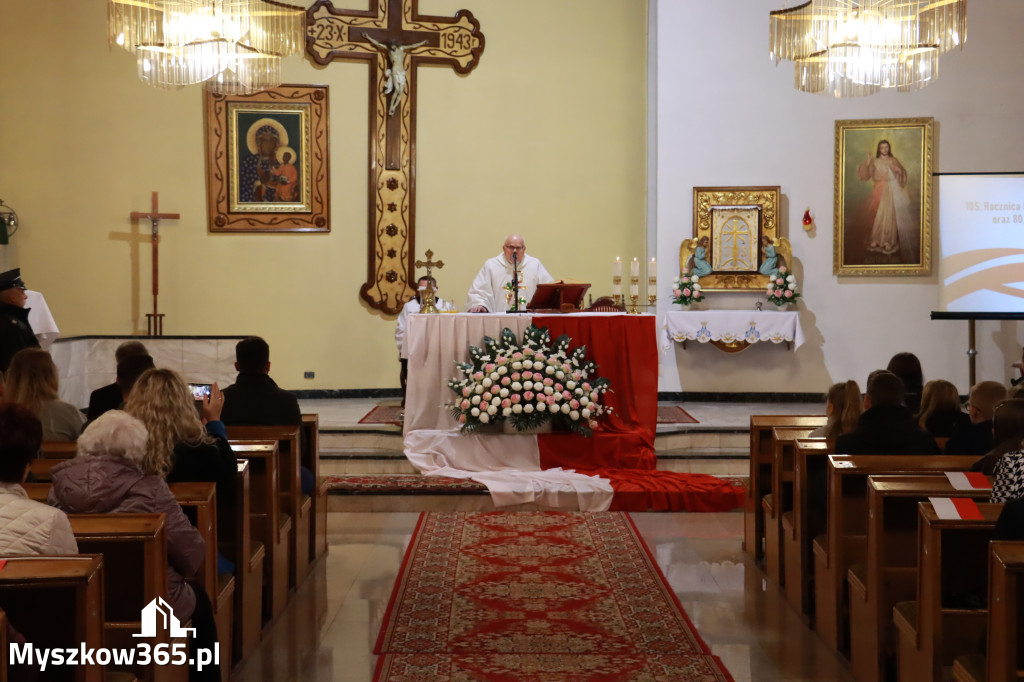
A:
[850,48]
[232,46]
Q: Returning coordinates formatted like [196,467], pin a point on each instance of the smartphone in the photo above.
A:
[200,391]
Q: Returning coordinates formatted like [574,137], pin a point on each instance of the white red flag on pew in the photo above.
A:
[968,480]
[956,508]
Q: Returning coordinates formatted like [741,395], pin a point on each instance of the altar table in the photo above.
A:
[625,350]
[735,326]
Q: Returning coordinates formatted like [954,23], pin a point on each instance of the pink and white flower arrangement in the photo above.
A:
[540,382]
[782,288]
[686,288]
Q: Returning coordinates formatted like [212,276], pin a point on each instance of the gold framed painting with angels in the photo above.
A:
[736,240]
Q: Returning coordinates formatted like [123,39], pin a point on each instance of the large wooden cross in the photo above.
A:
[392,30]
[155,319]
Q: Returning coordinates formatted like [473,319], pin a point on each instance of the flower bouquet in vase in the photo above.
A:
[782,288]
[686,289]
[528,384]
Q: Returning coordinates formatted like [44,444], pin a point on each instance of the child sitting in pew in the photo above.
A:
[1007,432]
[940,413]
[886,427]
[115,472]
[843,408]
[976,438]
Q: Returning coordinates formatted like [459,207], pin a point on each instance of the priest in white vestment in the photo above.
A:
[491,289]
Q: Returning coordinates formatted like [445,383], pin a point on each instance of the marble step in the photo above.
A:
[664,440]
[714,461]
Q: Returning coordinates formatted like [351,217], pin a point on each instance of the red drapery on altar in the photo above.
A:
[625,438]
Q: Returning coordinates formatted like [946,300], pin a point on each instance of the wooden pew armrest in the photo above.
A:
[820,547]
[768,504]
[969,668]
[904,614]
[858,577]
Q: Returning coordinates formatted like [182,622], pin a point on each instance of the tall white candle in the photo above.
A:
[634,289]
[617,267]
[652,275]
[634,268]
[616,289]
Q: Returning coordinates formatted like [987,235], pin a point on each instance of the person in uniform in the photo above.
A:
[491,289]
[15,331]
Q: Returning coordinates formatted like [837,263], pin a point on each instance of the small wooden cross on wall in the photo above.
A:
[155,319]
[393,38]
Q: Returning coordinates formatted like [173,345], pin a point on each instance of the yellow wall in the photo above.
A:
[546,137]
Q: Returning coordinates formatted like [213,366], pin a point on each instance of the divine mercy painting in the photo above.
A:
[883,197]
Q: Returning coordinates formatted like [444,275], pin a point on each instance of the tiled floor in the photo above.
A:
[329,629]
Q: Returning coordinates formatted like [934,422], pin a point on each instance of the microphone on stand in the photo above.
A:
[515,281]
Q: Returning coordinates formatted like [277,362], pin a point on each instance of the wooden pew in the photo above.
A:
[889,574]
[298,506]
[134,549]
[55,602]
[41,468]
[933,630]
[845,541]
[199,502]
[59,449]
[311,460]
[761,462]
[799,527]
[248,554]
[781,499]
[269,524]
[1004,661]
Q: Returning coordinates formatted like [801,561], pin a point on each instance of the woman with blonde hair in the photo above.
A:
[940,412]
[181,445]
[31,381]
[843,406]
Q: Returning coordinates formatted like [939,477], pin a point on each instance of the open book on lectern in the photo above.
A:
[563,296]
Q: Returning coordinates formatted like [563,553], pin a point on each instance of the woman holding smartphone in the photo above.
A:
[195,448]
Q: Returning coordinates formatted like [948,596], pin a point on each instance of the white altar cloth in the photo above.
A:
[509,465]
[752,326]
[39,316]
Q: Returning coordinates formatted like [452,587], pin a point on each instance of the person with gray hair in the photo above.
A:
[491,291]
[113,472]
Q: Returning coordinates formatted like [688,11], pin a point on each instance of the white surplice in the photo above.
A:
[488,287]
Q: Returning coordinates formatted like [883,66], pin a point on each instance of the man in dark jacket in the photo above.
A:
[886,427]
[15,331]
[111,396]
[254,399]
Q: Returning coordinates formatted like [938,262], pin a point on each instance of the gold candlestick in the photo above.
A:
[633,310]
[652,300]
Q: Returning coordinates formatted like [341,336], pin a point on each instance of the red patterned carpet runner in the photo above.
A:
[383,414]
[536,596]
[673,414]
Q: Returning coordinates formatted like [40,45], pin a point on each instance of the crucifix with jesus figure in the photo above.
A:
[155,319]
[393,38]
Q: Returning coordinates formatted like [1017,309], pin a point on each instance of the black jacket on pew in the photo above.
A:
[15,333]
[255,400]
[971,439]
[886,430]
